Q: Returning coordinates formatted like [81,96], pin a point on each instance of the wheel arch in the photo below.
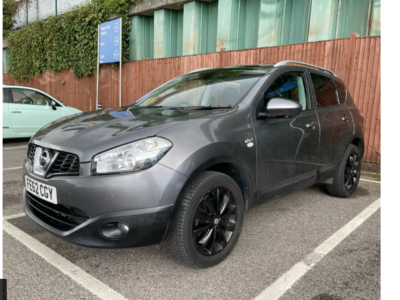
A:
[359,142]
[226,166]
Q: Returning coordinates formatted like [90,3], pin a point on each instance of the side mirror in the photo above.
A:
[280,107]
[53,105]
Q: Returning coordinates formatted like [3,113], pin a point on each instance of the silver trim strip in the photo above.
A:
[285,62]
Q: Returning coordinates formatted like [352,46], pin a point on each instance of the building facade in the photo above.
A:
[166,28]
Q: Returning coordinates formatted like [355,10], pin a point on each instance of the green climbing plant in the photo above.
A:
[66,41]
[8,17]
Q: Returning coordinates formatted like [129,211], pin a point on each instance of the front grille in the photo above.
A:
[31,153]
[59,216]
[65,164]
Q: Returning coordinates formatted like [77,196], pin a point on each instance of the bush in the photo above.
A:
[8,20]
[65,41]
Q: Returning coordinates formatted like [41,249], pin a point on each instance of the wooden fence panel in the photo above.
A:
[356,60]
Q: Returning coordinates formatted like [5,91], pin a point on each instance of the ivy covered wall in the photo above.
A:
[67,41]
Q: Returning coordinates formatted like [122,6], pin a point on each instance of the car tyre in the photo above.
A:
[346,179]
[209,220]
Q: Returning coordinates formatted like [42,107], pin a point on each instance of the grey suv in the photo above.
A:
[183,163]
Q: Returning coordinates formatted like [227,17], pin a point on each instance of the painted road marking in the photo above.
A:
[286,281]
[15,168]
[9,148]
[370,180]
[93,285]
[14,216]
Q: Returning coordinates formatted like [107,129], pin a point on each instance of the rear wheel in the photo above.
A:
[209,220]
[347,177]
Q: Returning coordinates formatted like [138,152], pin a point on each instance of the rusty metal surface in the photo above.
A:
[358,63]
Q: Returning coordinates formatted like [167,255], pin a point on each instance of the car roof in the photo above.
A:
[19,86]
[281,64]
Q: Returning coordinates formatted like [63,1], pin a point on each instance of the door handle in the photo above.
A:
[16,112]
[311,125]
[344,118]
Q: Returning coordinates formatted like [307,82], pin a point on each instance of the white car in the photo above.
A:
[26,110]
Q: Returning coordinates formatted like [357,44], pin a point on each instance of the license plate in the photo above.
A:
[43,191]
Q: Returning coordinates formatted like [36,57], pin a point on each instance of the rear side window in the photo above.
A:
[342,92]
[325,92]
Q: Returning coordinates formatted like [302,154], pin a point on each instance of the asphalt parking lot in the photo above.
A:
[307,245]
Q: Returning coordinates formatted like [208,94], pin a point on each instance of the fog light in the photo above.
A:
[114,230]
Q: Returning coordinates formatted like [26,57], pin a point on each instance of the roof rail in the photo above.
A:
[201,69]
[285,62]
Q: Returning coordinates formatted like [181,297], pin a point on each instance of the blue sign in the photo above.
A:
[110,44]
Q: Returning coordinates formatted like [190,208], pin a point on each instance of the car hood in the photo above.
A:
[87,134]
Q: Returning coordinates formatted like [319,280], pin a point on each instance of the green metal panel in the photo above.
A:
[6,60]
[199,27]
[141,38]
[251,25]
[151,38]
[296,21]
[270,22]
[212,27]
[238,24]
[323,20]
[353,17]
[375,27]
[241,25]
[191,28]
[227,24]
[179,32]
[166,23]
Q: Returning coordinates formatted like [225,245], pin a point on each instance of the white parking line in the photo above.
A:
[15,168]
[14,216]
[9,148]
[370,180]
[286,281]
[93,285]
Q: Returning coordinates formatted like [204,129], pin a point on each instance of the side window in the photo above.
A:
[19,97]
[325,92]
[22,96]
[6,96]
[289,86]
[342,92]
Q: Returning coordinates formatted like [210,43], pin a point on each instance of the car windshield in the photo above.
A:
[209,88]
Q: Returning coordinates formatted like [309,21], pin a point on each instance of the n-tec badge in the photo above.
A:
[44,159]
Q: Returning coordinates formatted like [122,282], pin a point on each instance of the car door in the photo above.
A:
[7,130]
[30,110]
[335,121]
[287,148]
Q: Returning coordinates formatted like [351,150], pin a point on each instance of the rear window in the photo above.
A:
[342,92]
[325,91]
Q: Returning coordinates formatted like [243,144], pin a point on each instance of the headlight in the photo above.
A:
[135,156]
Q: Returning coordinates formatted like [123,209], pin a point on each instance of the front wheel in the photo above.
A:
[209,220]
[347,177]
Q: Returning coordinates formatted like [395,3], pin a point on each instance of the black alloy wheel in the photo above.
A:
[209,220]
[214,221]
[346,179]
[351,171]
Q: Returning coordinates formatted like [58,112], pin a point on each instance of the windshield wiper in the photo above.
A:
[207,107]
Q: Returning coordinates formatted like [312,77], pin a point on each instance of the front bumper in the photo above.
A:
[147,226]
[142,200]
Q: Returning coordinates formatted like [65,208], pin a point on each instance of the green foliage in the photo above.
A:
[66,41]
[8,20]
